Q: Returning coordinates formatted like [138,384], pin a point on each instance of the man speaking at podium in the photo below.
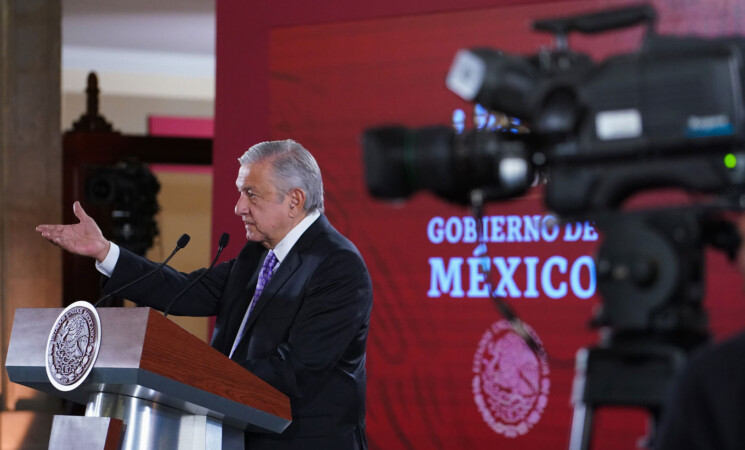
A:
[293,307]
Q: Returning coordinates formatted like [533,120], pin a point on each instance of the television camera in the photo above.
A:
[669,115]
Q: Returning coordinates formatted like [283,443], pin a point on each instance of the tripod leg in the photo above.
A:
[648,441]
[581,427]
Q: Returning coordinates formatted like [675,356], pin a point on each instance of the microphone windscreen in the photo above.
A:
[183,240]
[224,239]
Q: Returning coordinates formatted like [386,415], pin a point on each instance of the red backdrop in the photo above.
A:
[443,371]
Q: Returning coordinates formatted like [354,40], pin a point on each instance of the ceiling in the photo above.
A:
[142,36]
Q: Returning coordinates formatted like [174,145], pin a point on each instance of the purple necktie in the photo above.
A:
[267,269]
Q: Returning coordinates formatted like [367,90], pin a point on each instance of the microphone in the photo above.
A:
[182,241]
[220,246]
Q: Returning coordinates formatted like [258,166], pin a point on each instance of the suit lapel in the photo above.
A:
[247,274]
[244,298]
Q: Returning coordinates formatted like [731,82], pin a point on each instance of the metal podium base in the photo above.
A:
[151,425]
[86,433]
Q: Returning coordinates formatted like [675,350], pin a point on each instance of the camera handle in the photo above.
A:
[599,22]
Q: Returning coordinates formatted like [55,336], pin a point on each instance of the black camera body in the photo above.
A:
[665,116]
[126,192]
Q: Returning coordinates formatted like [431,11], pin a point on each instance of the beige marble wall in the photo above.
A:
[30,189]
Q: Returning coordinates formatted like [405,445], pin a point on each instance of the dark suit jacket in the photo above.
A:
[306,335]
[707,406]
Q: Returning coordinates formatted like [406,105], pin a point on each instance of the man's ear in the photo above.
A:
[297,202]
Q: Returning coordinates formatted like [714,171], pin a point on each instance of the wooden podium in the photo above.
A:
[170,389]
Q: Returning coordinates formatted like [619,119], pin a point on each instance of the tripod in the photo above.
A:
[650,275]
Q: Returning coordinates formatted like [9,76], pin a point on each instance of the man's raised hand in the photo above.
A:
[83,238]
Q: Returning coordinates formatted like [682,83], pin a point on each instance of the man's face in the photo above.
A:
[267,217]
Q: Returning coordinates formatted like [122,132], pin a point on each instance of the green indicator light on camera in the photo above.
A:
[730,161]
